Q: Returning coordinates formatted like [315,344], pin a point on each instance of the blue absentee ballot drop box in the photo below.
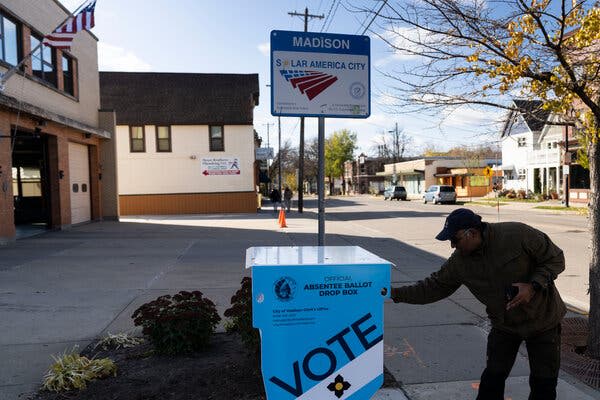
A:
[320,315]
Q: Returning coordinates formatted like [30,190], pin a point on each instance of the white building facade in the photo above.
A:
[195,154]
[531,151]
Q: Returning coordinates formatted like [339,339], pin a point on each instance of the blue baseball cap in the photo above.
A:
[461,218]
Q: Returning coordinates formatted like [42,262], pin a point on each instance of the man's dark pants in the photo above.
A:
[543,351]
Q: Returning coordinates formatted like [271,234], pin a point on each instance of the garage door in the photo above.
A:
[79,171]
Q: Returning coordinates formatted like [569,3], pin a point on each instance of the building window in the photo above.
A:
[522,173]
[521,142]
[67,70]
[216,142]
[137,142]
[10,41]
[43,61]
[163,139]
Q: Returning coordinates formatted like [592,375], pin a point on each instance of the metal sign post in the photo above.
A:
[320,75]
[321,183]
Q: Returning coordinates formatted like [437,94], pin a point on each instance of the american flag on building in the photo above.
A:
[62,37]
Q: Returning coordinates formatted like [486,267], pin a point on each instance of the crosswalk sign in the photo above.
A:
[487,171]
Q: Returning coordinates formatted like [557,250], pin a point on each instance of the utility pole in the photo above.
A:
[268,147]
[396,153]
[268,125]
[306,16]
[566,162]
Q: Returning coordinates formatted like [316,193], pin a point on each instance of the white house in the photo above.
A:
[185,142]
[531,151]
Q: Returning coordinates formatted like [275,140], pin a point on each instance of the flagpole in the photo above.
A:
[6,76]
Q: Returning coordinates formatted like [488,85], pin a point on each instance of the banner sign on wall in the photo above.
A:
[220,166]
[320,75]
[320,315]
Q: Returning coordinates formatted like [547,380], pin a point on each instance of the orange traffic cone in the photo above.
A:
[282,218]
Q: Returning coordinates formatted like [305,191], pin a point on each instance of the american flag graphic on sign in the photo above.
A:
[62,37]
[310,83]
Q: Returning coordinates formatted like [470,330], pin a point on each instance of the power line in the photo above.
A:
[319,8]
[375,16]
[333,15]
[366,18]
[328,14]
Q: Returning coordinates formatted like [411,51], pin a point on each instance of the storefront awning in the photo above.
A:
[401,172]
[507,167]
[449,175]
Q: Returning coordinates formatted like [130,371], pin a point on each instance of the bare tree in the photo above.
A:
[288,156]
[392,146]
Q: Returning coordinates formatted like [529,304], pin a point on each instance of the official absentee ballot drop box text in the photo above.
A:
[320,315]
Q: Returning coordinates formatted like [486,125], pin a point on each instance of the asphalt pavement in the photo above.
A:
[64,289]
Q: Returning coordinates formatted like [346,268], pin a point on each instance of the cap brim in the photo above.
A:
[444,235]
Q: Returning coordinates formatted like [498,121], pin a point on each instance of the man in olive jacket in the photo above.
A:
[510,267]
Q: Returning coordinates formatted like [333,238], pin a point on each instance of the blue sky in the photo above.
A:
[207,36]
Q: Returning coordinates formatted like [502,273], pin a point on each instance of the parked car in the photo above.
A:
[395,192]
[440,194]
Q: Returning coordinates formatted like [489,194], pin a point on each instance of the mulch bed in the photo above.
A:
[224,371]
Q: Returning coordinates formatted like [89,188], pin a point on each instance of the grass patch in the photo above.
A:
[72,371]
[516,200]
[486,203]
[117,341]
[578,210]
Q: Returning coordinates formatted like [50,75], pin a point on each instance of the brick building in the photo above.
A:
[55,147]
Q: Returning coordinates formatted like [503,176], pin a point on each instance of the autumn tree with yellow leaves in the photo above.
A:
[481,53]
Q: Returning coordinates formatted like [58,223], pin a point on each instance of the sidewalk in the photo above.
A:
[66,288]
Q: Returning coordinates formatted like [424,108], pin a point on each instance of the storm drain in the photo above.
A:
[573,359]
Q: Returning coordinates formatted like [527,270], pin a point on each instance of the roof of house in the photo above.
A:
[160,98]
[532,112]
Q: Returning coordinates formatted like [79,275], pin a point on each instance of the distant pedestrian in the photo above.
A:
[287,198]
[510,267]
[275,197]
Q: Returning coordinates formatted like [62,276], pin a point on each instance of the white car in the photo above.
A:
[440,194]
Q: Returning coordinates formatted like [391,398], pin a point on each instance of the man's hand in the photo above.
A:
[524,296]
[394,294]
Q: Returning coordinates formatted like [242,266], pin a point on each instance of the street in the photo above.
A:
[66,288]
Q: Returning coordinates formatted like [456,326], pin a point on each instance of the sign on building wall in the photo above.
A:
[320,315]
[220,166]
[320,75]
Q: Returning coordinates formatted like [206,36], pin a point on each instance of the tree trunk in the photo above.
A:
[594,275]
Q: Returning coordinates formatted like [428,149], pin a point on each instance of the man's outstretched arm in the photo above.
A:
[437,286]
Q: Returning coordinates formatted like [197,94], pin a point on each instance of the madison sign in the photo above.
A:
[320,75]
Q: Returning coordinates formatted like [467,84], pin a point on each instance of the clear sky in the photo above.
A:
[208,36]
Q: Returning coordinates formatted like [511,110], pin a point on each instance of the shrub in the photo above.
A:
[72,371]
[521,194]
[117,341]
[178,324]
[240,316]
